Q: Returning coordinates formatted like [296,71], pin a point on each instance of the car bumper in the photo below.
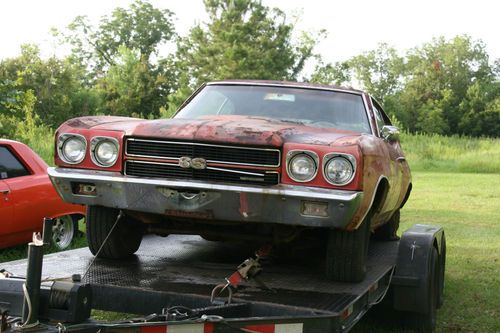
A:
[282,204]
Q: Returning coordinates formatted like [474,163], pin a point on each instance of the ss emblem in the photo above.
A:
[197,163]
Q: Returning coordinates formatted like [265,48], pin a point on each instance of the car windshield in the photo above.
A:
[311,107]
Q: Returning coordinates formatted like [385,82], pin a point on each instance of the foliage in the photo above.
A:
[443,87]
[55,83]
[140,27]
[242,40]
[132,86]
[380,71]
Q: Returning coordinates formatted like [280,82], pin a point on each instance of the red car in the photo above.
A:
[262,160]
[27,196]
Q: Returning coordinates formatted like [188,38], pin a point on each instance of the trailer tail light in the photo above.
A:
[210,328]
[277,328]
[347,312]
[180,328]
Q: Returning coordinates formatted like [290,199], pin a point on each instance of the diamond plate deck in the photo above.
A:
[189,265]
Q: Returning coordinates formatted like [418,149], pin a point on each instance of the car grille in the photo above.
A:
[172,171]
[264,157]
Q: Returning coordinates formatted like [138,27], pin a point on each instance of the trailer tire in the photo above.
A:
[388,231]
[124,239]
[346,253]
[426,322]
[442,265]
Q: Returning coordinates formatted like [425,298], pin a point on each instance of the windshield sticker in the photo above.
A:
[279,97]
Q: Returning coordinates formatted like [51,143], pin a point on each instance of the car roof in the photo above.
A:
[289,84]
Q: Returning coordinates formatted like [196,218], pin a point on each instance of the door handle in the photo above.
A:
[5,192]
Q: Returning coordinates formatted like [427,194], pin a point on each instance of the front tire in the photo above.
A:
[388,231]
[123,240]
[346,253]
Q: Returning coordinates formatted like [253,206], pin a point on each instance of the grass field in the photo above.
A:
[431,152]
[468,207]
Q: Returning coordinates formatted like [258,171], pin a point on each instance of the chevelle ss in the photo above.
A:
[247,160]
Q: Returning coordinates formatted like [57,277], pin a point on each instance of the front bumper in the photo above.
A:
[221,202]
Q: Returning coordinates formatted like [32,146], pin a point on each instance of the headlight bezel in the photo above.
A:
[331,156]
[95,142]
[296,152]
[63,139]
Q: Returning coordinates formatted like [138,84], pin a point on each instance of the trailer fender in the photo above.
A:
[411,279]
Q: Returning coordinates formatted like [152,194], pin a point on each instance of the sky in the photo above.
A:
[353,27]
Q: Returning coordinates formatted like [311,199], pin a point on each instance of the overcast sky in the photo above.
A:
[352,26]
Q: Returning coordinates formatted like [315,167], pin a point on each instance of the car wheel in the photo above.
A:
[63,231]
[388,231]
[105,240]
[346,253]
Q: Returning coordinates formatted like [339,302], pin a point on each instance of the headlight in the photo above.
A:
[104,151]
[339,169]
[71,148]
[302,166]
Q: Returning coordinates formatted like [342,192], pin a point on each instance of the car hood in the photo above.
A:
[247,130]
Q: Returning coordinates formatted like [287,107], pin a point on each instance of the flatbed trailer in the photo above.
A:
[170,280]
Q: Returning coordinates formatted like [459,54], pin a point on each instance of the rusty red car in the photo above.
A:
[247,160]
[27,196]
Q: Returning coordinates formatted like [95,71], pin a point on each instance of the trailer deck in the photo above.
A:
[173,277]
[189,265]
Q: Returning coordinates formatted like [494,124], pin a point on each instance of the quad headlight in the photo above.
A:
[339,169]
[71,148]
[302,166]
[104,151]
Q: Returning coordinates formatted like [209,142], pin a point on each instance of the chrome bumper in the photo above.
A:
[193,199]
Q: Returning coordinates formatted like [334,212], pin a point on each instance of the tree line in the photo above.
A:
[118,67]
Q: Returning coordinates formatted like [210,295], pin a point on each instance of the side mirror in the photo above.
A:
[390,133]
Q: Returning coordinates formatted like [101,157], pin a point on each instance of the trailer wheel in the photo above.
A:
[346,253]
[388,231]
[124,239]
[426,322]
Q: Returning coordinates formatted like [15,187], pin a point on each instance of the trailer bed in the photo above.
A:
[179,270]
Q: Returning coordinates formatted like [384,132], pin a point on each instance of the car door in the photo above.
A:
[6,210]
[15,178]
[396,159]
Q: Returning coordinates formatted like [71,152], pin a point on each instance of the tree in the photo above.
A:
[132,86]
[243,39]
[56,85]
[443,73]
[338,74]
[140,27]
[380,71]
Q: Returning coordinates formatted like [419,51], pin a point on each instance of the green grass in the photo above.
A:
[427,152]
[468,207]
[21,251]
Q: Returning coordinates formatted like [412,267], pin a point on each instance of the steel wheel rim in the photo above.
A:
[62,232]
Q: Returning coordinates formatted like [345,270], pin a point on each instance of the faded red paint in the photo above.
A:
[376,159]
